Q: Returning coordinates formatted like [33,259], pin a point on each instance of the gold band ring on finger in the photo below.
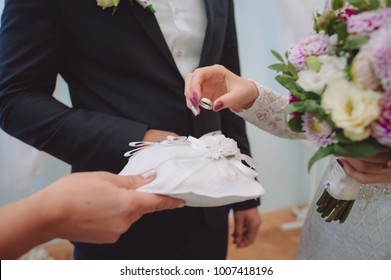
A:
[206,103]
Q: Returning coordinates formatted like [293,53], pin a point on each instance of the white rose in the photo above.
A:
[229,147]
[351,108]
[220,146]
[332,68]
[105,3]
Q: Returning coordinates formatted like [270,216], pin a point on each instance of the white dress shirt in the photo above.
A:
[183,23]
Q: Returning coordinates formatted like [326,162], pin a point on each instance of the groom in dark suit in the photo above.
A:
[125,85]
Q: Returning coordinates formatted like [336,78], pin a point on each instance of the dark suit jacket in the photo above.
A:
[122,81]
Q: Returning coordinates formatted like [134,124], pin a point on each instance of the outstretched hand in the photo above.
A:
[93,207]
[224,88]
[98,207]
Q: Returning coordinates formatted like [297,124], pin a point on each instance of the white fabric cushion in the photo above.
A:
[205,172]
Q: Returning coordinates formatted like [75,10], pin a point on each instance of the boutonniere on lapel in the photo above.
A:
[114,3]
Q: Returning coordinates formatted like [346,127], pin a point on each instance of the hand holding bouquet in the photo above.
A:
[340,85]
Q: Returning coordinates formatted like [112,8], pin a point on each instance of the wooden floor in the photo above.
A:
[272,243]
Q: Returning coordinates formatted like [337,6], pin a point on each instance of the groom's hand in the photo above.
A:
[247,223]
[154,135]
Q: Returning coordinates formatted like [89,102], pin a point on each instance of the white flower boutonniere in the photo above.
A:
[114,3]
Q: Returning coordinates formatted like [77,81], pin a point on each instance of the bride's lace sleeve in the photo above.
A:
[267,113]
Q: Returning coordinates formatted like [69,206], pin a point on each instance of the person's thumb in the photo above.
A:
[150,203]
[226,101]
[135,181]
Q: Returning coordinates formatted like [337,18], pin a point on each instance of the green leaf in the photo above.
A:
[355,42]
[307,106]
[315,26]
[295,124]
[284,79]
[326,22]
[278,56]
[313,107]
[114,10]
[341,29]
[116,3]
[295,107]
[329,121]
[297,93]
[337,4]
[313,63]
[358,3]
[312,95]
[341,138]
[278,67]
[319,154]
[367,148]
[150,9]
[374,4]
[388,3]
[292,70]
[294,87]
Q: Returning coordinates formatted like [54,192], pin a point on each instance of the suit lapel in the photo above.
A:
[215,14]
[212,7]
[151,27]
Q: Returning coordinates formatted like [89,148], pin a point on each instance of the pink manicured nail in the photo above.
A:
[218,106]
[148,174]
[340,163]
[194,100]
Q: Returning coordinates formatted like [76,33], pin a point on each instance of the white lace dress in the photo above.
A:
[366,234]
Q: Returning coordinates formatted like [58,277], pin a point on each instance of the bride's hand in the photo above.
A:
[224,88]
[373,170]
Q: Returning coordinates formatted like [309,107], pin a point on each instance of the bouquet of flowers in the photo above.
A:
[339,81]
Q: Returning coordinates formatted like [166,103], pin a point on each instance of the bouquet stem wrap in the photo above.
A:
[339,195]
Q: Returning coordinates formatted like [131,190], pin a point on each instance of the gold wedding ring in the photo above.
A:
[206,103]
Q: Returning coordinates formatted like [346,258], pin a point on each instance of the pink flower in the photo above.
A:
[346,14]
[379,50]
[319,133]
[381,129]
[312,46]
[293,99]
[367,22]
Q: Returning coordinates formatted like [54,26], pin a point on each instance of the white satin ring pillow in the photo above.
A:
[204,172]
